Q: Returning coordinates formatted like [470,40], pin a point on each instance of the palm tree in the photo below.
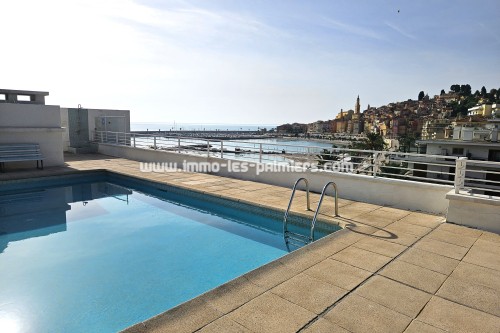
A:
[373,141]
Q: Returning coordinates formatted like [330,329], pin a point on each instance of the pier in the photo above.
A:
[211,134]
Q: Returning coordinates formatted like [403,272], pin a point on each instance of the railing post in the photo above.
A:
[208,148]
[133,138]
[116,138]
[460,168]
[102,137]
[154,142]
[179,145]
[260,152]
[222,149]
[376,164]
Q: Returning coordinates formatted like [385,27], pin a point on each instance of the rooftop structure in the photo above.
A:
[22,96]
[81,123]
[479,143]
[25,118]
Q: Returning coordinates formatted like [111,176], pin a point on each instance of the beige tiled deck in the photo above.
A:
[389,270]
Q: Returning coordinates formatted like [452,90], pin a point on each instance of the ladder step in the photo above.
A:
[299,239]
[298,244]
[290,234]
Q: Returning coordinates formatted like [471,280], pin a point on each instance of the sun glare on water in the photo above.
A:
[9,323]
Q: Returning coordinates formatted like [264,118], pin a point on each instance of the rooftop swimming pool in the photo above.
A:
[100,252]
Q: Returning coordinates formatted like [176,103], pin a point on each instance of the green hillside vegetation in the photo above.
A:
[469,99]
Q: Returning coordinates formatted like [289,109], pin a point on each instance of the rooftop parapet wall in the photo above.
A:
[474,210]
[29,115]
[31,121]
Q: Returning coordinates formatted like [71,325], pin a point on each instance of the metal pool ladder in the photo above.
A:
[313,223]
[289,236]
[299,239]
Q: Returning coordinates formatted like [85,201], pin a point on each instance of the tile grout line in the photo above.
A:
[364,281]
[435,293]
[260,294]
[269,290]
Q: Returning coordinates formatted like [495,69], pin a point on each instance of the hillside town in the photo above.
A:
[427,118]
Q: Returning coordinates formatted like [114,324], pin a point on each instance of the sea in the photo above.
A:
[248,146]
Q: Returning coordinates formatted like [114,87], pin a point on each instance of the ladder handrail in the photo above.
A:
[319,206]
[285,222]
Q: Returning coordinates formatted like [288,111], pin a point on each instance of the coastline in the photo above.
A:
[336,142]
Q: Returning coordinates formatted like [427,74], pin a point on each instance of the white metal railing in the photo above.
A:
[438,169]
[478,177]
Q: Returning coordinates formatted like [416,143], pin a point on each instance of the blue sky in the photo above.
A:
[249,62]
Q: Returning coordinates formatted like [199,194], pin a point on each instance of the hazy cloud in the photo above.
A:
[350,28]
[240,61]
[399,30]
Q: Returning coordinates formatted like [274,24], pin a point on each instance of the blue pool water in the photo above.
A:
[100,256]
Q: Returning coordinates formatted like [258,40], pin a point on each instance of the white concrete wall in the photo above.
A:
[382,191]
[29,115]
[477,211]
[92,115]
[478,152]
[65,125]
[33,123]
[50,141]
[95,113]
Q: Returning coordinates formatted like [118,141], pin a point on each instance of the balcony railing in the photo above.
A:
[478,177]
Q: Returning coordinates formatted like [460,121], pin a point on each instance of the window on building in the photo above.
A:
[2,97]
[420,170]
[494,155]
[458,151]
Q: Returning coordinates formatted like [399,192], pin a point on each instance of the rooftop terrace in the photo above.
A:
[388,270]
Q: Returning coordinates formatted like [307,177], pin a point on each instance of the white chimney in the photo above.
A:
[467,133]
[494,135]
